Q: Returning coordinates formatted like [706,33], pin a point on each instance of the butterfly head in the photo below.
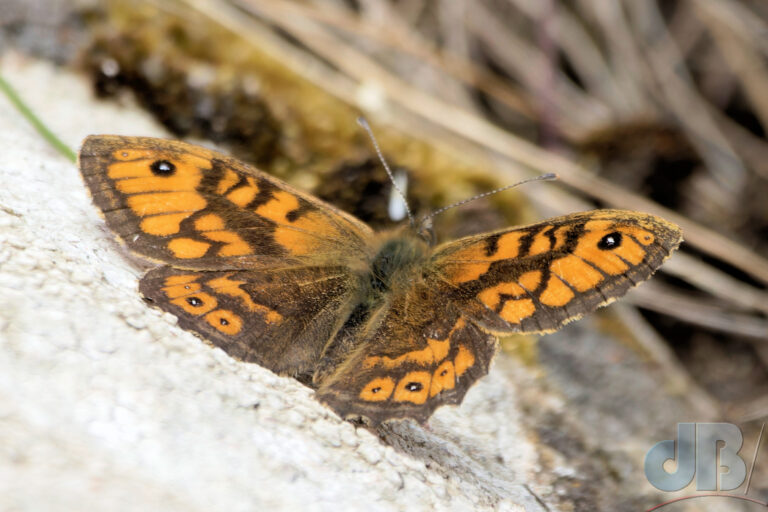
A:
[426,231]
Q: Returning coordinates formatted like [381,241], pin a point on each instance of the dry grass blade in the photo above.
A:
[752,410]
[698,311]
[718,283]
[679,379]
[680,96]
[407,42]
[753,149]
[747,64]
[524,61]
[740,18]
[624,56]
[578,45]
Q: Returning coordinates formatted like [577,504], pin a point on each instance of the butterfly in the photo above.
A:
[383,325]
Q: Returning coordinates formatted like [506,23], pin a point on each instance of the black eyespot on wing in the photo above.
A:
[413,386]
[194,302]
[162,168]
[375,390]
[223,321]
[610,241]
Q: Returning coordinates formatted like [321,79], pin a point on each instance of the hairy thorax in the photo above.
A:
[398,258]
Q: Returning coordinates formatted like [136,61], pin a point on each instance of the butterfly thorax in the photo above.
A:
[398,256]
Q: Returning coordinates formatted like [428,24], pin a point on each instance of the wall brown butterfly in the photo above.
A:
[382,325]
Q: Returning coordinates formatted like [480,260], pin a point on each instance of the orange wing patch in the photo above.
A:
[425,356]
[277,208]
[443,378]
[294,239]
[530,280]
[470,263]
[543,240]
[212,227]
[232,288]
[541,243]
[413,387]
[163,225]
[242,195]
[196,304]
[188,248]
[132,154]
[434,352]
[641,235]
[165,203]
[516,310]
[233,244]
[616,259]
[225,321]
[600,225]
[291,233]
[378,389]
[491,297]
[181,285]
[185,291]
[587,249]
[557,293]
[229,180]
[561,236]
[629,249]
[416,386]
[576,272]
[160,189]
[209,222]
[464,360]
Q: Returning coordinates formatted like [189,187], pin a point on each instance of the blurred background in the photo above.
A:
[656,106]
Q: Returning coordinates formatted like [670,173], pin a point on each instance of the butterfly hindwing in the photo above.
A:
[189,206]
[279,318]
[413,360]
[536,278]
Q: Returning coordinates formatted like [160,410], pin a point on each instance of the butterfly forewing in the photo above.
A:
[189,206]
[538,277]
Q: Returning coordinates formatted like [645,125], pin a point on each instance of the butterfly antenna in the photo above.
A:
[362,122]
[543,177]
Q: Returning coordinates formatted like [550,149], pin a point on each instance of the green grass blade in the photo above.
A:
[43,130]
